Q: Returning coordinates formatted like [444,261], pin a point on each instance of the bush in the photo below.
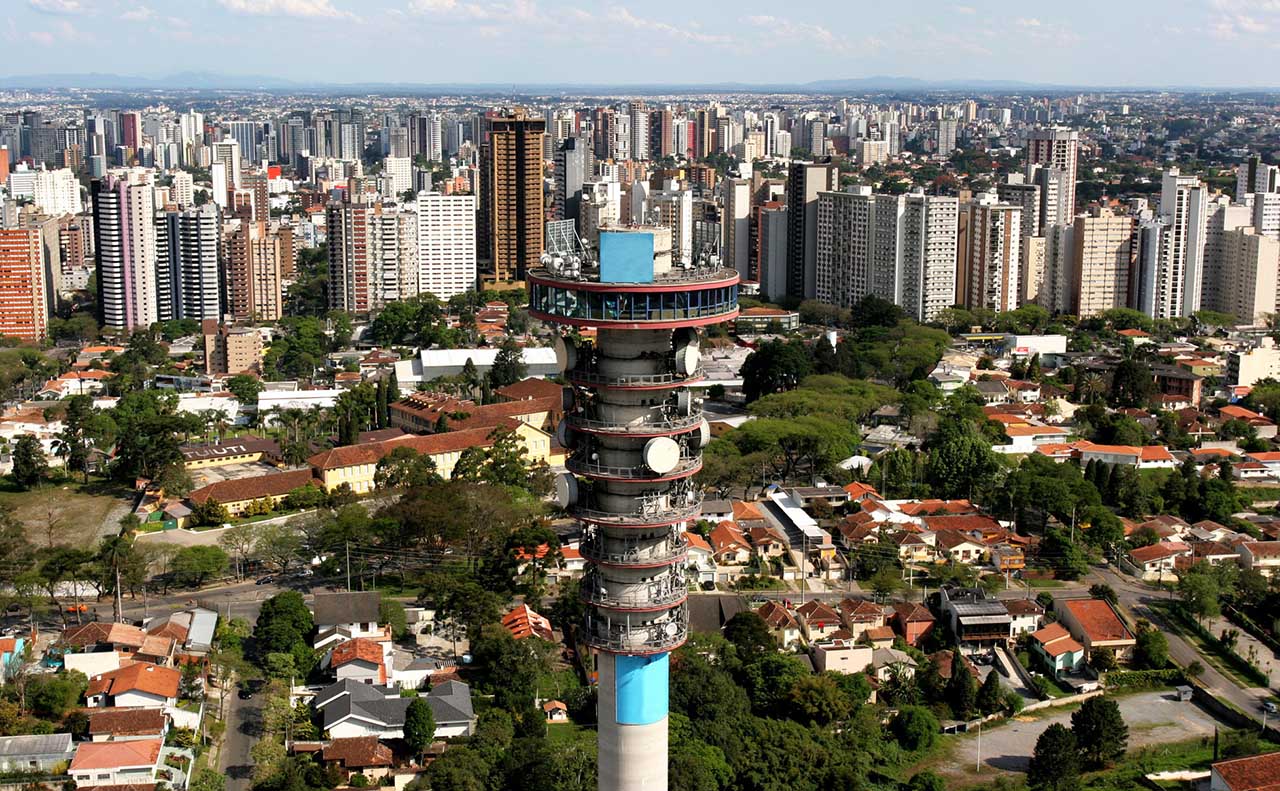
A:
[1144,679]
[358,781]
[915,728]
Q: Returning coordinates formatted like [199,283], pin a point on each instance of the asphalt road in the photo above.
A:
[244,728]
[1136,598]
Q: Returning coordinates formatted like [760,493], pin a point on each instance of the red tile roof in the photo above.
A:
[116,755]
[138,677]
[1263,549]
[104,633]
[1098,620]
[358,751]
[776,616]
[359,649]
[428,445]
[1251,773]
[259,486]
[531,388]
[1056,640]
[126,722]
[524,622]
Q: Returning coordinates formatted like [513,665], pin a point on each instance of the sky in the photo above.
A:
[1076,42]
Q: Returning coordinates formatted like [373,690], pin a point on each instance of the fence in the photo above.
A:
[1066,701]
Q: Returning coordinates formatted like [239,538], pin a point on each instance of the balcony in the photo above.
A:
[668,424]
[581,464]
[666,590]
[596,548]
[655,637]
[587,376]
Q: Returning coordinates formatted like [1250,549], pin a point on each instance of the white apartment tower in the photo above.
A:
[735,224]
[446,244]
[1058,148]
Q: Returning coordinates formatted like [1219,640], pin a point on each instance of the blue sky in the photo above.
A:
[1148,42]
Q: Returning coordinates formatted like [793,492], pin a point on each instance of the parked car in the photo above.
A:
[267,580]
[1270,707]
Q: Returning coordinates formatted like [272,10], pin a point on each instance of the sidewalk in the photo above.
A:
[1249,647]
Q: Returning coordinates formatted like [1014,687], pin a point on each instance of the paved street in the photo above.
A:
[244,725]
[1136,598]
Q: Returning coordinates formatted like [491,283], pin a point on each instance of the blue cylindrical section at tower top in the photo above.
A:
[641,688]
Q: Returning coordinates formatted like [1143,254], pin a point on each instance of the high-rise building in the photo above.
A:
[1171,258]
[570,164]
[989,250]
[230,350]
[253,255]
[635,446]
[805,180]
[1027,197]
[735,248]
[639,130]
[674,208]
[1254,176]
[773,250]
[901,248]
[245,133]
[1101,262]
[1057,148]
[182,192]
[446,244]
[400,172]
[1216,283]
[946,136]
[353,267]
[24,309]
[229,154]
[187,272]
[1248,273]
[511,212]
[125,246]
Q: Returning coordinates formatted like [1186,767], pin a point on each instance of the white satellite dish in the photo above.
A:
[661,454]
[566,490]
[687,358]
[684,402]
[566,353]
[704,433]
[673,629]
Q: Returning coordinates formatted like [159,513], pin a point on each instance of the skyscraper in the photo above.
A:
[511,212]
[735,222]
[125,245]
[1253,176]
[1171,259]
[1057,148]
[946,137]
[570,164]
[353,277]
[253,272]
[805,180]
[989,248]
[24,310]
[446,244]
[187,276]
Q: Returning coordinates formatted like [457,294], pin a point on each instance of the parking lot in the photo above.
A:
[1153,718]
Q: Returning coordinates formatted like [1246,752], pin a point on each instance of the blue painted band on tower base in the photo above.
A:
[642,692]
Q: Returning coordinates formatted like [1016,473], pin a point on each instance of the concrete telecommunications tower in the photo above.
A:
[636,436]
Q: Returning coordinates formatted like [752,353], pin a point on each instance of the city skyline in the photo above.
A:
[562,43]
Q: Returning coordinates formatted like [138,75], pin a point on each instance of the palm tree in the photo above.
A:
[1090,387]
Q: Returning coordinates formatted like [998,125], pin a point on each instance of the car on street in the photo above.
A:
[1270,707]
[250,688]
[267,580]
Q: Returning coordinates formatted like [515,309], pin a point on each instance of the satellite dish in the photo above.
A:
[564,435]
[566,353]
[673,629]
[687,358]
[566,490]
[684,402]
[704,433]
[661,454]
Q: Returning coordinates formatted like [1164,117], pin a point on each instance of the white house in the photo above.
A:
[841,656]
[1260,556]
[140,685]
[347,616]
[1026,438]
[116,763]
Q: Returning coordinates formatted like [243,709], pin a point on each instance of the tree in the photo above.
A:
[1100,731]
[774,367]
[1132,384]
[819,699]
[1151,651]
[1104,592]
[750,634]
[990,697]
[1055,764]
[419,725]
[961,462]
[961,690]
[1198,589]
[29,463]
[208,780]
[915,728]
[508,366]
[245,387]
[73,443]
[209,512]
[195,564]
[238,543]
[1103,660]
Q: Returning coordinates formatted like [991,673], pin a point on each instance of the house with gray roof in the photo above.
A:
[346,616]
[451,708]
[40,753]
[350,709]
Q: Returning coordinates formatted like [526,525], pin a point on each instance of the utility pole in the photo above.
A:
[348,566]
[977,763]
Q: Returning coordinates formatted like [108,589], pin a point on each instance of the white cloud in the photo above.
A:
[967,10]
[139,14]
[624,17]
[305,9]
[1024,22]
[57,6]
[801,33]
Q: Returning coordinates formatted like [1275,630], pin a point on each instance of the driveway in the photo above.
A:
[1153,718]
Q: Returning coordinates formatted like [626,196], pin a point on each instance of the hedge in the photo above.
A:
[1144,679]
[1251,626]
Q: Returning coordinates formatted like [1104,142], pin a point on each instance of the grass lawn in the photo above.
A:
[566,732]
[1210,650]
[76,510]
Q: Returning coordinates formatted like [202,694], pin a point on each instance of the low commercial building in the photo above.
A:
[116,763]
[1095,624]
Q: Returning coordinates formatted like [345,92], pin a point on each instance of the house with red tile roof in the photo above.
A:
[729,547]
[1094,623]
[1159,558]
[860,615]
[1057,649]
[1251,773]
[360,755]
[361,659]
[783,625]
[124,725]
[98,764]
[140,684]
[1260,556]
[524,622]
[820,620]
[911,621]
